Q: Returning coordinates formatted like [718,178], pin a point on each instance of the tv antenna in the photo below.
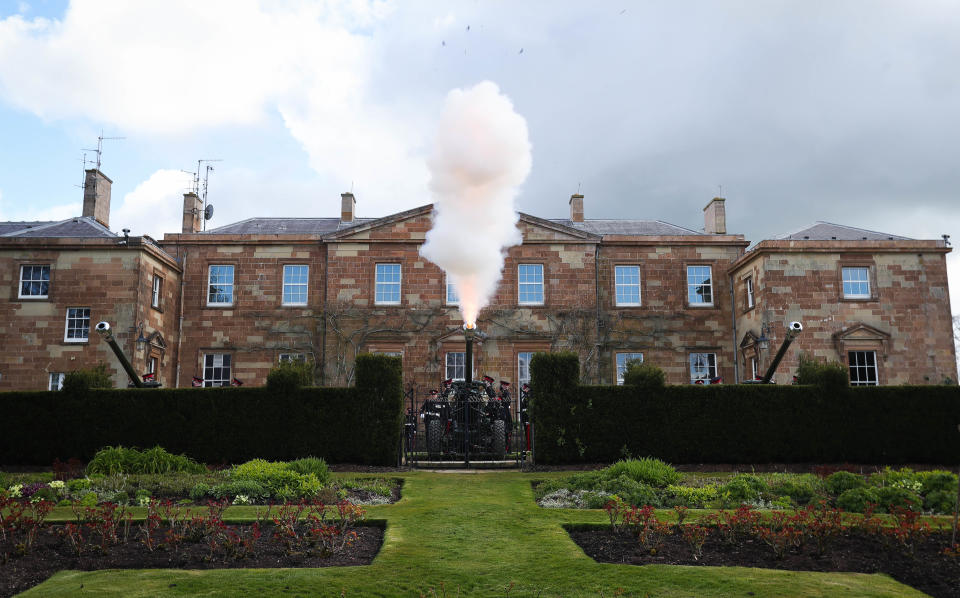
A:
[201,189]
[99,150]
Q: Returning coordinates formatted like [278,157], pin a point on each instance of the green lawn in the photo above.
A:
[471,534]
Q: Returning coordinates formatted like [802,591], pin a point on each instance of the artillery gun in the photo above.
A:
[467,417]
[103,329]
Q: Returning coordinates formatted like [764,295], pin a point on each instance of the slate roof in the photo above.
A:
[286,226]
[322,226]
[629,227]
[78,227]
[827,231]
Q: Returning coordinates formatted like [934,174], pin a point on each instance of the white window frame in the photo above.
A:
[210,365]
[844,280]
[709,365]
[230,285]
[618,286]
[40,280]
[152,365]
[691,285]
[55,380]
[455,366]
[292,357]
[156,291]
[750,298]
[521,283]
[622,359]
[76,316]
[523,367]
[387,284]
[301,288]
[452,296]
[754,368]
[854,365]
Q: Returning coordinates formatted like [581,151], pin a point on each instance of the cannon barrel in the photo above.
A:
[793,329]
[468,333]
[103,329]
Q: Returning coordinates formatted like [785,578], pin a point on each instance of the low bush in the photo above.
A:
[856,500]
[652,472]
[889,497]
[686,496]
[230,490]
[199,492]
[746,487]
[630,490]
[938,481]
[841,481]
[278,479]
[941,501]
[801,489]
[113,460]
[314,465]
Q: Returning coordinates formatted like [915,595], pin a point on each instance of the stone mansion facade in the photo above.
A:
[231,302]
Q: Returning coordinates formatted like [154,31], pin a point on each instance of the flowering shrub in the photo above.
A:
[695,535]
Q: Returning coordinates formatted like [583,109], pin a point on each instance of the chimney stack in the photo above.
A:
[96,196]
[192,213]
[348,205]
[576,207]
[715,217]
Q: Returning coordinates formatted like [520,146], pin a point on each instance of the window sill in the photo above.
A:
[219,305]
[156,308]
[702,305]
[859,299]
[34,298]
[294,305]
[749,309]
[85,341]
[627,305]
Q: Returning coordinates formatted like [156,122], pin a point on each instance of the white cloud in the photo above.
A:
[30,213]
[154,206]
[177,67]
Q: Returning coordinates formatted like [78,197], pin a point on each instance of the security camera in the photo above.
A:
[795,326]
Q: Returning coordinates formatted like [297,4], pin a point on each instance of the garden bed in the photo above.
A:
[928,570]
[53,552]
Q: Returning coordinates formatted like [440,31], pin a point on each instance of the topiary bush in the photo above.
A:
[645,376]
[839,482]
[650,471]
[830,375]
[289,376]
[80,381]
[938,481]
[892,496]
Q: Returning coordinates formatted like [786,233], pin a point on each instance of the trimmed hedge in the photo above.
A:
[213,425]
[739,423]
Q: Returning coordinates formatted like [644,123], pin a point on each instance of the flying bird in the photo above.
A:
[521,51]
[468,27]
[443,43]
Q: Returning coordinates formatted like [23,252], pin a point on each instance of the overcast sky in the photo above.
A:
[847,112]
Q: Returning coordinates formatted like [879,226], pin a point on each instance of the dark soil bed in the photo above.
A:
[52,553]
[929,570]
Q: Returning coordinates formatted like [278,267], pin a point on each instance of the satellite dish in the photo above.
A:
[208,212]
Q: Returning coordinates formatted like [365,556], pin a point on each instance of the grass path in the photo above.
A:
[476,532]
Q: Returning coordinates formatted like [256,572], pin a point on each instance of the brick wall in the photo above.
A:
[94,274]
[908,310]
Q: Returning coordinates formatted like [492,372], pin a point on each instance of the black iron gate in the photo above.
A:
[467,424]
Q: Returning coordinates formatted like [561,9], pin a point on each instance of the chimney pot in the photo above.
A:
[576,207]
[192,213]
[348,205]
[96,196]
[715,217]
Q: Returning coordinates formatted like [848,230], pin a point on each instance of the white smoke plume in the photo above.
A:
[480,159]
